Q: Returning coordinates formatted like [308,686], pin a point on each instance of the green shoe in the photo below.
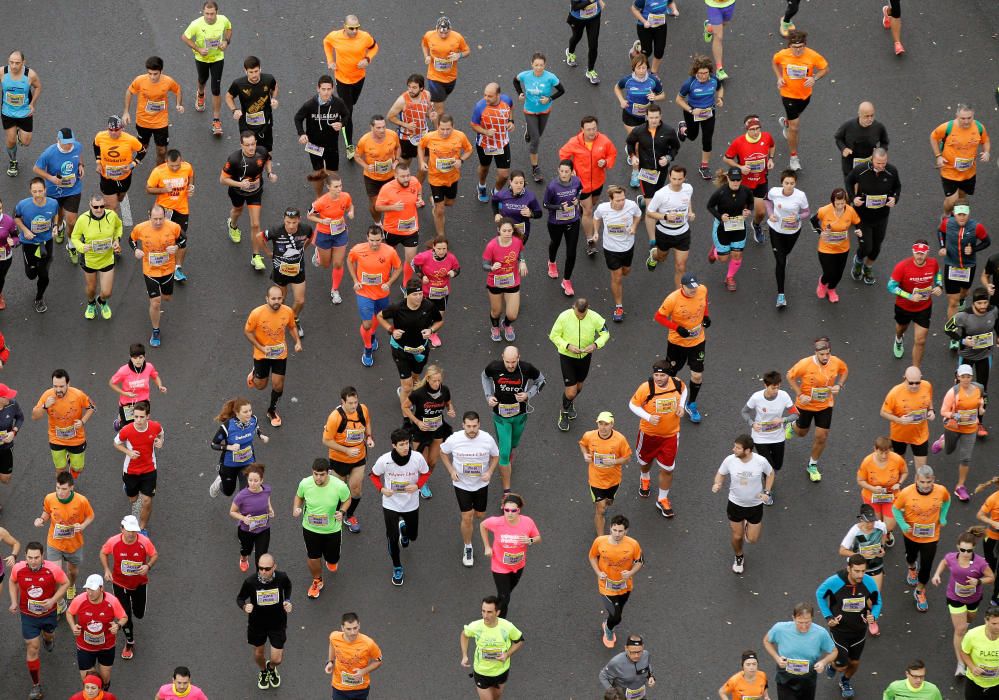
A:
[651,262]
[258,262]
[897,349]
[105,312]
[235,235]
[708,36]
[60,233]
[721,74]
[813,472]
[74,256]
[789,430]
[91,312]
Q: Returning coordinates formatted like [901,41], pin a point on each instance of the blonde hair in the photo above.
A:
[994,481]
[431,369]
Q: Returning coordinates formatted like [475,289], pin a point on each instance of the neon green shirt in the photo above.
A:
[321,503]
[719,3]
[570,330]
[984,653]
[100,234]
[490,641]
[903,690]
[208,36]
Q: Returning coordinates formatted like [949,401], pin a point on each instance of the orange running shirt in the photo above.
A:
[349,433]
[837,238]
[62,517]
[664,402]
[687,311]
[383,155]
[990,509]
[350,657]
[415,111]
[335,209]
[116,154]
[374,268]
[440,69]
[612,559]
[817,381]
[156,261]
[444,156]
[405,222]
[902,402]
[63,413]
[177,181]
[964,407]
[268,327]
[886,476]
[795,69]
[960,149]
[740,689]
[922,513]
[151,108]
[605,476]
[349,52]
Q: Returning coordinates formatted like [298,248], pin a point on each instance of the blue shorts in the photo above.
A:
[369,308]
[325,241]
[729,245]
[439,91]
[720,15]
[32,627]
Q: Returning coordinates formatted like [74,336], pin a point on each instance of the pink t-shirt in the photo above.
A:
[509,273]
[509,554]
[166,693]
[435,273]
[136,383]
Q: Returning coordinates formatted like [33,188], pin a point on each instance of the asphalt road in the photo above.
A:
[696,616]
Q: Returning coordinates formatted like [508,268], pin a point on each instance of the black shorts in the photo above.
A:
[25,124]
[952,186]
[240,199]
[679,242]
[407,149]
[344,469]
[592,193]
[329,160]
[477,500]
[490,681]
[264,366]
[159,286]
[649,189]
[71,449]
[955,286]
[181,220]
[372,187]
[920,450]
[86,660]
[794,107]
[322,545]
[140,483]
[678,356]
[70,203]
[283,280]
[439,91]
[598,494]
[630,119]
[616,260]
[407,364]
[115,187]
[6,460]
[258,637]
[761,191]
[738,514]
[502,159]
[823,418]
[904,317]
[161,136]
[441,193]
[439,304]
[409,240]
[849,646]
[574,369]
[423,440]
[92,270]
[503,290]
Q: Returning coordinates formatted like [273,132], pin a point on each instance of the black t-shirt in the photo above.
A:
[254,101]
[506,384]
[412,322]
[240,167]
[288,247]
[267,599]
[428,403]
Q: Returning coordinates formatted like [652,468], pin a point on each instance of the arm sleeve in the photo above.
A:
[747,414]
[942,234]
[944,509]
[900,518]
[639,411]
[559,90]
[219,439]
[487,385]
[534,385]
[953,329]
[982,240]
[377,481]
[666,321]
[518,88]
[876,595]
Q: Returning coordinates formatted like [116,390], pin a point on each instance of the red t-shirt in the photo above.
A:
[125,560]
[95,621]
[912,278]
[753,155]
[36,586]
[141,442]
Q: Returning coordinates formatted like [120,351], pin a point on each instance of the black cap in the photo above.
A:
[414,285]
[867,513]
[660,366]
[734,173]
[980,294]
[747,655]
[114,122]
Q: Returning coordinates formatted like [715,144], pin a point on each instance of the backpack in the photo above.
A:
[345,420]
[950,128]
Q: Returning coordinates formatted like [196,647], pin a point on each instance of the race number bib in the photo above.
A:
[611,585]
[771,426]
[155,105]
[314,149]
[834,236]
[965,590]
[870,551]
[796,72]
[820,393]
[503,281]
[398,486]
[959,274]
[656,19]
[472,468]
[290,269]
[665,406]
[353,436]
[274,352]
[158,258]
[734,223]
[14,99]
[256,119]
[982,340]
[337,226]
[268,596]
[565,214]
[854,605]
[433,422]
[886,497]
[257,522]
[437,292]
[701,115]
[962,164]
[861,161]
[918,416]
[351,678]
[243,454]
[37,607]
[589,11]
[927,530]
[648,175]
[508,410]
[513,558]
[65,432]
[756,165]
[967,416]
[371,278]
[129,568]
[876,201]
[101,246]
[444,165]
[407,224]
[797,667]
[318,520]
[442,64]
[383,167]
[62,531]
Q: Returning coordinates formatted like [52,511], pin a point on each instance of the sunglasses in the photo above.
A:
[966,551]
[354,28]
[265,568]
[96,206]
[914,383]
[511,510]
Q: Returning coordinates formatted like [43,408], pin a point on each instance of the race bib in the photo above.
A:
[702,114]
[433,422]
[213,43]
[796,72]
[437,292]
[603,460]
[14,99]
[886,497]
[128,410]
[94,639]
[67,180]
[353,436]
[876,201]
[412,350]
[317,520]
[820,393]
[275,351]
[982,340]
[442,64]
[834,236]
[665,406]
[101,246]
[513,558]
[756,165]
[371,278]
[861,161]
[789,222]
[508,410]
[870,551]
[959,274]
[491,654]
[503,281]
[797,667]
[258,522]
[314,149]
[771,426]
[611,585]
[40,225]
[255,119]
[62,531]
[965,590]
[521,228]
[407,224]
[337,226]
[158,258]
[472,468]
[648,175]
[962,164]
[112,172]
[565,214]
[639,110]
[492,151]
[155,105]
[243,454]
[656,20]
[383,167]
[290,269]
[398,486]
[639,693]
[617,229]
[967,416]
[928,530]
[918,416]
[854,605]
[989,672]
[350,678]
[66,432]
[268,596]
[675,217]
[734,223]
[36,607]
[444,165]
[129,568]
[589,11]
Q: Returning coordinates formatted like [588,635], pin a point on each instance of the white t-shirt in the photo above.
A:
[745,479]
[470,458]
[617,225]
[787,209]
[397,477]
[675,206]
[769,413]
[854,533]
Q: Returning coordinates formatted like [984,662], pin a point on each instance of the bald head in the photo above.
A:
[511,356]
[266,560]
[351,21]
[865,113]
[913,375]
[491,92]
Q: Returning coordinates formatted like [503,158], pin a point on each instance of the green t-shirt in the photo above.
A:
[984,653]
[321,503]
[208,36]
[100,234]
[490,641]
[903,690]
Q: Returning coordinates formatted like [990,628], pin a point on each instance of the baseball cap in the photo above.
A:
[660,366]
[690,280]
[962,209]
[6,392]
[867,513]
[64,135]
[131,523]
[965,370]
[734,174]
[114,122]
[94,581]
[605,417]
[414,285]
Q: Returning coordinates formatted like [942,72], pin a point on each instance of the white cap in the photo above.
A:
[94,582]
[965,369]
[131,523]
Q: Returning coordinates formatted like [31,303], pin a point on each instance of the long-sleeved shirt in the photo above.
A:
[506,203]
[562,200]
[874,188]
[968,324]
[725,200]
[569,329]
[651,147]
[11,418]
[837,597]
[268,598]
[862,140]
[503,384]
[315,120]
[622,672]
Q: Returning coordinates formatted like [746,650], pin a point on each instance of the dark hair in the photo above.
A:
[60,374]
[141,406]
[796,36]
[536,55]
[856,559]
[37,180]
[513,498]
[772,378]
[324,80]
[349,617]
[182,671]
[920,241]
[677,169]
[154,63]
[34,546]
[744,441]
[416,78]
[64,477]
[587,119]
[620,520]
[992,611]
[347,392]
[376,118]
[247,134]
[320,464]
[469,415]
[375,228]
[516,173]
[210,3]
[251,62]
[173,155]
[400,435]
[838,193]
[915,665]
[788,173]
[255,468]
[802,608]
[700,62]
[491,600]
[654,108]
[566,162]
[136,349]
[445,118]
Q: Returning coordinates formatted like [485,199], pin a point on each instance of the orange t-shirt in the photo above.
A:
[116,154]
[63,413]
[374,268]
[902,402]
[349,52]
[665,402]
[795,69]
[383,155]
[605,476]
[612,559]
[687,311]
[177,181]
[837,238]
[741,689]
[151,108]
[817,381]
[335,209]
[922,513]
[349,433]
[960,149]
[268,327]
[886,476]
[440,69]
[156,261]
[444,156]
[349,657]
[963,407]
[62,518]
[405,222]
[990,509]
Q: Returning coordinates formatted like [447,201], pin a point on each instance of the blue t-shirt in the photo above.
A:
[535,88]
[63,165]
[38,219]
[586,10]
[700,95]
[656,8]
[792,644]
[636,92]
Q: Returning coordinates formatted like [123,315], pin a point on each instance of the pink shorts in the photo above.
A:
[658,448]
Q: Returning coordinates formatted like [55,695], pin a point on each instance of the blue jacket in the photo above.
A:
[837,591]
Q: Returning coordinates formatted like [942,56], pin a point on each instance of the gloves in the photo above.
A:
[682,332]
[706,322]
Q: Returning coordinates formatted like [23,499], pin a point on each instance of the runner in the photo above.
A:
[374,270]
[914,282]
[348,435]
[605,451]
[956,144]
[851,602]
[731,205]
[960,238]
[504,262]
[234,439]
[962,410]
[816,382]
[667,220]
[414,115]
[349,52]
[253,509]
[288,244]
[585,16]
[651,148]
[787,209]
[833,223]
[321,503]
[630,671]
[21,88]
[409,324]
[208,37]
[651,28]
[978,653]
[318,123]
[968,574]
[509,386]
[989,277]
[753,154]
[353,657]
[88,617]
[330,213]
[513,533]
[914,685]
[440,155]
[424,418]
[67,409]
[516,202]
[173,184]
[496,641]
[492,121]
[891,18]
[36,217]
[243,174]
[257,94]
[437,266]
[97,235]
[907,408]
[36,589]
[11,422]
[876,189]
[127,559]
[265,330]
[577,333]
[562,200]
[470,458]
[700,96]
[881,475]
[800,648]
[615,559]
[61,166]
[117,154]
[973,330]
[929,502]
[748,683]
[592,155]
[658,430]
[768,412]
[537,88]
[266,599]
[636,93]
[988,514]
[8,239]
[155,242]
[685,313]
[399,201]
[152,108]
[857,138]
[797,69]
[618,218]
[180,688]
[138,441]
[786,25]
[442,48]
[868,539]
[747,473]
[720,13]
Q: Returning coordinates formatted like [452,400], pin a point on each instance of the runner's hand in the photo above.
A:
[303,139]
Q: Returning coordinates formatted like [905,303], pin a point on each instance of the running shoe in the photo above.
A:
[298,327]
[592,76]
[49,644]
[274,418]
[60,234]
[874,629]
[403,539]
[128,651]
[249,379]
[730,284]
[618,314]
[536,174]
[937,445]
[813,472]
[721,74]
[40,306]
[494,334]
[845,689]
[567,288]
[899,49]
[199,102]
[571,411]
[350,151]
[482,193]
[398,576]
[739,564]
[831,672]
[833,296]
[353,524]
[425,491]
[953,345]
[563,421]
[898,348]
[781,301]
[640,201]
[651,262]
[821,290]
[235,235]
[886,17]
[644,486]
[910,577]
[154,339]
[636,48]
[857,271]
[12,169]
[786,28]
[758,233]
[274,677]
[257,261]
[890,540]
[960,670]
[692,413]
[335,296]
[37,692]
[216,487]
[783,126]
[920,597]
[178,274]
[90,312]
[216,127]
[435,340]
[712,256]
[509,334]
[315,588]
[962,494]
[708,34]
[468,556]
[244,564]
[633,183]
[374,344]
[570,59]
[704,171]
[681,130]
[262,678]
[591,248]
[665,507]
[607,636]
[794,163]
[869,278]
[982,431]
[367,359]
[553,270]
